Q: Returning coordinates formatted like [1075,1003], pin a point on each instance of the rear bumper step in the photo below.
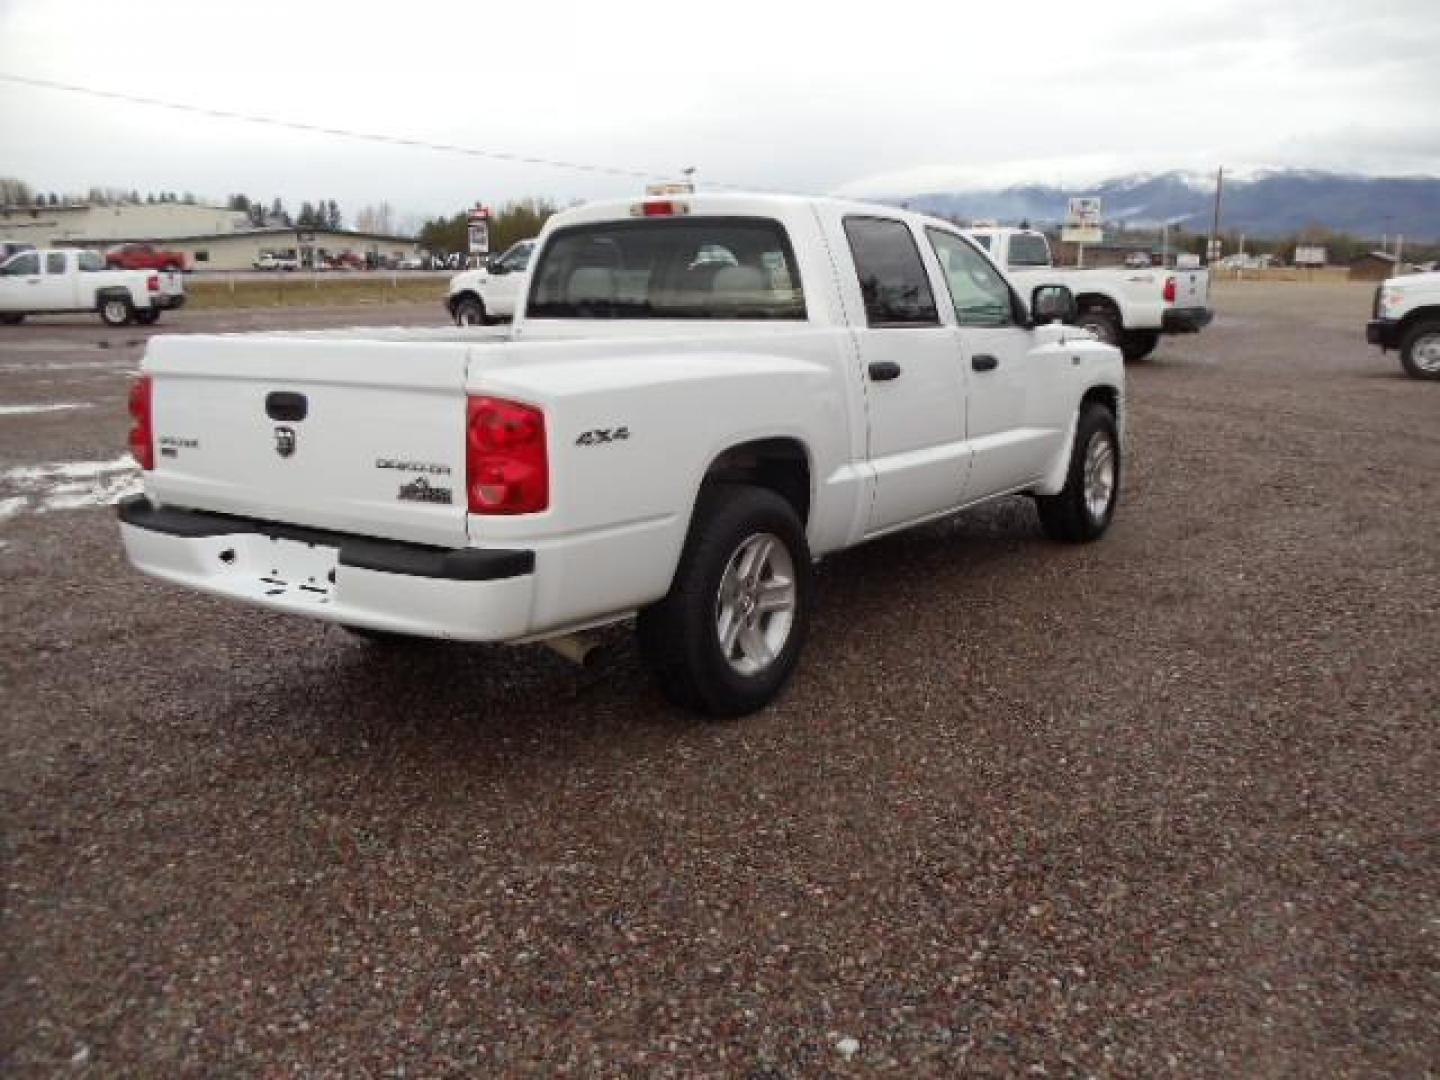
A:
[470,594]
[1186,320]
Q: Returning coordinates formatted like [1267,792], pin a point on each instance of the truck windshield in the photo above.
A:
[668,268]
[1029,249]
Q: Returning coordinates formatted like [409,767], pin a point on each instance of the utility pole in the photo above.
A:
[1215,223]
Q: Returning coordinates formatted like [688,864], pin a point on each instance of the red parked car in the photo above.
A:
[143,257]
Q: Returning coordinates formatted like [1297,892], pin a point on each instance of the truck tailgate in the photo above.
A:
[1192,288]
[364,437]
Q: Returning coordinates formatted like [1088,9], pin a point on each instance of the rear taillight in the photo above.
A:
[153,283]
[1169,290]
[142,433]
[507,470]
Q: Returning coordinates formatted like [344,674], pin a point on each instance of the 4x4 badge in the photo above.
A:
[284,440]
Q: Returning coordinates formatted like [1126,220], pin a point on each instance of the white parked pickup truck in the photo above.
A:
[67,279]
[1406,317]
[1127,307]
[488,294]
[701,396]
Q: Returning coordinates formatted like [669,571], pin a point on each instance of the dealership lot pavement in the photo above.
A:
[1166,804]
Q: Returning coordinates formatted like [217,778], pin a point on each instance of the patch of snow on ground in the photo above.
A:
[68,485]
[22,410]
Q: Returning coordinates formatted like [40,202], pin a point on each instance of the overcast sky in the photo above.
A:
[862,99]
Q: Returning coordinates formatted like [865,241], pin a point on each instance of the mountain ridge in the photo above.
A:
[1266,203]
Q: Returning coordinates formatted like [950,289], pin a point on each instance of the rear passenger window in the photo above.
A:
[892,277]
[55,262]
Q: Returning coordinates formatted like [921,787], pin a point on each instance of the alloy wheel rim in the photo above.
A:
[755,604]
[1425,353]
[1099,476]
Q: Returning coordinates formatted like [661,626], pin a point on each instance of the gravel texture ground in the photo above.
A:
[1163,805]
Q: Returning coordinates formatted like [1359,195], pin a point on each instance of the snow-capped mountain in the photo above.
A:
[1269,203]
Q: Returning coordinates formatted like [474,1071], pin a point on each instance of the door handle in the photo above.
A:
[884,371]
[984,362]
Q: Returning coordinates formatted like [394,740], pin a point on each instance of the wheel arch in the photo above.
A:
[779,463]
[1427,313]
[1086,301]
[454,300]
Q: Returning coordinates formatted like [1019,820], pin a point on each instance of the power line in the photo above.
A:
[347,133]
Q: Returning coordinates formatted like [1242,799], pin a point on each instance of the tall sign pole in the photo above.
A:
[1215,224]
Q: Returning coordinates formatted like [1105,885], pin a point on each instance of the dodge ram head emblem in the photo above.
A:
[284,440]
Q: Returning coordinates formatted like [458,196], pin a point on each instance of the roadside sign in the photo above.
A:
[479,231]
[1082,221]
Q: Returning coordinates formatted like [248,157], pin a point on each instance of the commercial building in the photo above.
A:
[212,237]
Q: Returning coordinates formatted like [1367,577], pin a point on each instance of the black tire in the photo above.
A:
[470,311]
[148,317]
[12,320]
[1138,344]
[1069,516]
[1420,350]
[680,635]
[116,311]
[1101,322]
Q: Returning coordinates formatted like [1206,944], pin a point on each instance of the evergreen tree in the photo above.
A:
[332,215]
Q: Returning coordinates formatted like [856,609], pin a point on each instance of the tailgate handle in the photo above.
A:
[286,405]
[984,362]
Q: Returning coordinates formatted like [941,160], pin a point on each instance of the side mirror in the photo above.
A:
[1052,303]
[495,266]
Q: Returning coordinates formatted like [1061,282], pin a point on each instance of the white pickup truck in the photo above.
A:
[1406,316]
[489,293]
[701,396]
[1128,307]
[59,280]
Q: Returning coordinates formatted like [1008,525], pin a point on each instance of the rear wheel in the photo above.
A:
[12,320]
[148,317]
[116,311]
[1081,512]
[470,311]
[1104,324]
[726,638]
[1420,350]
[1138,344]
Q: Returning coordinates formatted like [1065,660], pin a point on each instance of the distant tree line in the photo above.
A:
[321,214]
[518,220]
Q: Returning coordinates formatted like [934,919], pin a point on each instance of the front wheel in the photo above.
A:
[727,637]
[470,311]
[1081,512]
[116,311]
[1420,351]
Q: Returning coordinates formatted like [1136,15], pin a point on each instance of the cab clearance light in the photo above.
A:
[659,208]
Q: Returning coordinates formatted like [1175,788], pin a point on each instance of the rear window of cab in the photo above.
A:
[668,268]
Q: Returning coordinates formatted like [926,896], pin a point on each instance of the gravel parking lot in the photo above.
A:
[1166,804]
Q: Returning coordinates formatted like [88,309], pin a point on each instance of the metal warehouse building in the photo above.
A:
[212,237]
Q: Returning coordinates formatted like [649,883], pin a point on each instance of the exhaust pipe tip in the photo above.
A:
[582,650]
